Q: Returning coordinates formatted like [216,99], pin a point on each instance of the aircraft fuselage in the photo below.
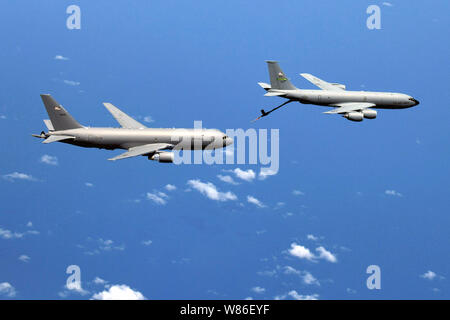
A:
[382,100]
[121,138]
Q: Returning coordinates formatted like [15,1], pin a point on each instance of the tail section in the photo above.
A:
[278,79]
[59,117]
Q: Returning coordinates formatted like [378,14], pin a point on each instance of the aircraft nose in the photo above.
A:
[227,141]
[416,102]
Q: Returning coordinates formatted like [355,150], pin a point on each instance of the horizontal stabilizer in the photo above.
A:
[274,94]
[55,138]
[122,118]
[142,150]
[265,86]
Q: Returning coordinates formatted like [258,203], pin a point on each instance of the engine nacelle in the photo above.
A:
[165,157]
[354,116]
[369,113]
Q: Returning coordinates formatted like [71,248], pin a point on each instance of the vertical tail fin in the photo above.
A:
[278,79]
[59,117]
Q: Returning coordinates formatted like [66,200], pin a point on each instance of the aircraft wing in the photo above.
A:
[350,106]
[142,150]
[323,84]
[122,118]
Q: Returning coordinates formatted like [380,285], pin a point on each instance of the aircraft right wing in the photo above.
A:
[323,84]
[125,120]
[350,106]
[142,150]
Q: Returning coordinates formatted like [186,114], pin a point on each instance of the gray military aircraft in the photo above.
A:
[133,136]
[353,105]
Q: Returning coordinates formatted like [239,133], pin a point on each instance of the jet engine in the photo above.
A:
[369,113]
[354,116]
[165,157]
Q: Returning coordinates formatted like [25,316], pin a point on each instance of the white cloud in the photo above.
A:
[50,160]
[119,292]
[147,242]
[312,237]
[24,258]
[60,57]
[351,291]
[306,276]
[3,117]
[298,193]
[255,201]
[247,175]
[227,179]
[258,290]
[107,245]
[327,255]
[89,184]
[72,287]
[294,294]
[229,151]
[393,193]
[170,187]
[387,4]
[7,289]
[280,204]
[268,273]
[71,82]
[102,245]
[209,190]
[301,252]
[290,270]
[99,280]
[7,234]
[309,279]
[265,173]
[158,197]
[430,275]
[148,119]
[18,176]
[29,224]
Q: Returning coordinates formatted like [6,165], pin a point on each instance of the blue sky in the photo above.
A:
[370,193]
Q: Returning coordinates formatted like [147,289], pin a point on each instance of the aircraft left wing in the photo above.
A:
[323,84]
[122,118]
[350,106]
[142,150]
